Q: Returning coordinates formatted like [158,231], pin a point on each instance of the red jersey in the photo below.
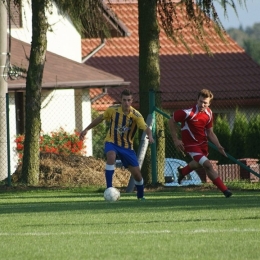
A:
[194,124]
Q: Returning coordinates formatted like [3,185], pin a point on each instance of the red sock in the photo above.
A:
[186,170]
[219,183]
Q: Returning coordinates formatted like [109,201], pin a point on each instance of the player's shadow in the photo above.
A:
[156,201]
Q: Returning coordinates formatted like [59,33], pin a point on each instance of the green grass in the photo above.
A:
[171,224]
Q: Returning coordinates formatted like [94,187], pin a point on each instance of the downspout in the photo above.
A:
[98,48]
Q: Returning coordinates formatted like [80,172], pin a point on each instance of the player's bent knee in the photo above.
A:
[208,166]
[202,161]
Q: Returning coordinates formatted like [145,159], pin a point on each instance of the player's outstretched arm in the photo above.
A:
[94,123]
[149,134]
[214,139]
[173,130]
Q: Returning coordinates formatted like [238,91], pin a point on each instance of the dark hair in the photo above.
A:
[126,92]
[205,93]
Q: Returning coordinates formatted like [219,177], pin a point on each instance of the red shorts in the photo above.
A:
[199,153]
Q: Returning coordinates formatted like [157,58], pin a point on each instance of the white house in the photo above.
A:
[66,80]
[63,38]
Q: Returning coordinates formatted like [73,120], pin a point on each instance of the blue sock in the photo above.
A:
[109,174]
[140,188]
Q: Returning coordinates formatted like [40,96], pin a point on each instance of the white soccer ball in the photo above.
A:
[111,194]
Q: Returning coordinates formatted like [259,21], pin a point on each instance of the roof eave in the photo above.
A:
[69,85]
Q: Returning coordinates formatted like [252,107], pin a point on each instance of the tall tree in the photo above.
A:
[249,39]
[149,73]
[252,48]
[171,15]
[30,170]
[82,20]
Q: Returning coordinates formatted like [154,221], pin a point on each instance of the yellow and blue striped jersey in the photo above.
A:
[123,127]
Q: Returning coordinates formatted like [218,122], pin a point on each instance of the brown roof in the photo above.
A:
[230,71]
[60,72]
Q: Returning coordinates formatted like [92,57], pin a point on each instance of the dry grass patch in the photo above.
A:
[73,170]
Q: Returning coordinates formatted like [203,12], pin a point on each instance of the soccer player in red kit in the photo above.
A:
[196,129]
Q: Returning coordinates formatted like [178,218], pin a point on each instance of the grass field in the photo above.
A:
[171,224]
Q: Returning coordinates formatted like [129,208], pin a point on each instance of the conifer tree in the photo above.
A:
[238,136]
[252,138]
[222,130]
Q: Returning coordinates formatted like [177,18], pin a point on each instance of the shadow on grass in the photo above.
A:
[159,221]
[156,202]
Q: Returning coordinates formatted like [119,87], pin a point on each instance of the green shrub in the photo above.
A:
[253,138]
[222,130]
[98,136]
[238,136]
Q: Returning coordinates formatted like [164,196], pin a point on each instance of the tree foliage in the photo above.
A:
[252,138]
[98,135]
[252,48]
[248,39]
[87,16]
[238,135]
[222,130]
[198,18]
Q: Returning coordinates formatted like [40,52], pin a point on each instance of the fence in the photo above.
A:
[231,172]
[4,145]
[74,109]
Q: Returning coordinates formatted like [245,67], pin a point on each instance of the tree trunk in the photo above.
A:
[30,169]
[149,68]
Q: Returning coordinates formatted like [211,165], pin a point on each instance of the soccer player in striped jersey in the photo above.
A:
[124,122]
[196,129]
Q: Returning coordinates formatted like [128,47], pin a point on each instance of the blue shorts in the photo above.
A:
[127,156]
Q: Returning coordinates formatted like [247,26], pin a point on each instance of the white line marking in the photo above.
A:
[195,231]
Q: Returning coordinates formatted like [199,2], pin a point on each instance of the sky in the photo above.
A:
[246,16]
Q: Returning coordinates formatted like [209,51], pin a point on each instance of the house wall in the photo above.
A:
[64,108]
[57,110]
[62,37]
[68,109]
